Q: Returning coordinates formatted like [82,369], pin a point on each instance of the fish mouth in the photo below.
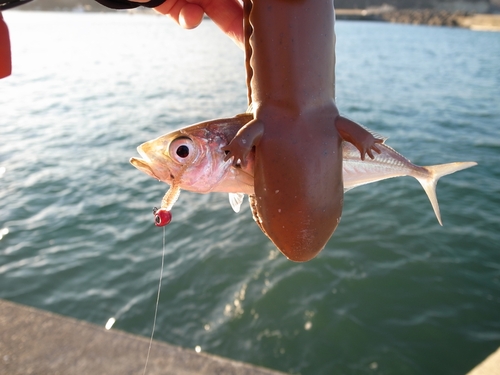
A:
[144,163]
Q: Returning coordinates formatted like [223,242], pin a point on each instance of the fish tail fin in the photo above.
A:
[435,173]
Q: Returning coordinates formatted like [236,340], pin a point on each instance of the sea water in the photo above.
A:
[392,293]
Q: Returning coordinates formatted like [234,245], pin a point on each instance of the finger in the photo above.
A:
[227,15]
[190,16]
[166,8]
[183,13]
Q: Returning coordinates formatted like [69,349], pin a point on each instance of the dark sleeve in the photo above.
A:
[125,4]
[7,4]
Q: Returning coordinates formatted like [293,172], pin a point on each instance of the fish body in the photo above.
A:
[204,170]
[389,164]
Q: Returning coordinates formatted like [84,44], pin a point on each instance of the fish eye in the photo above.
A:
[182,150]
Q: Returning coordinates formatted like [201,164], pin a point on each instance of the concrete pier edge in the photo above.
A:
[490,366]
[34,341]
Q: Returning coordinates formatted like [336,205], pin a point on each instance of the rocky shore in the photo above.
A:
[425,17]
[432,17]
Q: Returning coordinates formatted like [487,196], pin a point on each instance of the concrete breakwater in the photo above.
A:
[38,342]
[433,17]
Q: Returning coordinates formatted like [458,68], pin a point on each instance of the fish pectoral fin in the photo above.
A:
[236,199]
[143,166]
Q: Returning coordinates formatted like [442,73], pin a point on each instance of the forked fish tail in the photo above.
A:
[435,173]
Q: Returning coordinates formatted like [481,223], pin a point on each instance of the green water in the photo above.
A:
[393,292]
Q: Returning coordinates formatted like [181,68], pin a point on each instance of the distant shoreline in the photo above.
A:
[432,17]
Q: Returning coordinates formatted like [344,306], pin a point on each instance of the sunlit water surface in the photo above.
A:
[393,292]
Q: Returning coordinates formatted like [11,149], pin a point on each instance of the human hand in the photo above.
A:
[227,14]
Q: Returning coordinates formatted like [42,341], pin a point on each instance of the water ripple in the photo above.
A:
[391,292]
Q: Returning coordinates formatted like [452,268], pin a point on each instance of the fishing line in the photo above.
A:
[156,306]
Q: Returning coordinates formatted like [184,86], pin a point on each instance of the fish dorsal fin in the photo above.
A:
[375,134]
[236,199]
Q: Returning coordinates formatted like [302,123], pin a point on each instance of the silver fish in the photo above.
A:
[192,158]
